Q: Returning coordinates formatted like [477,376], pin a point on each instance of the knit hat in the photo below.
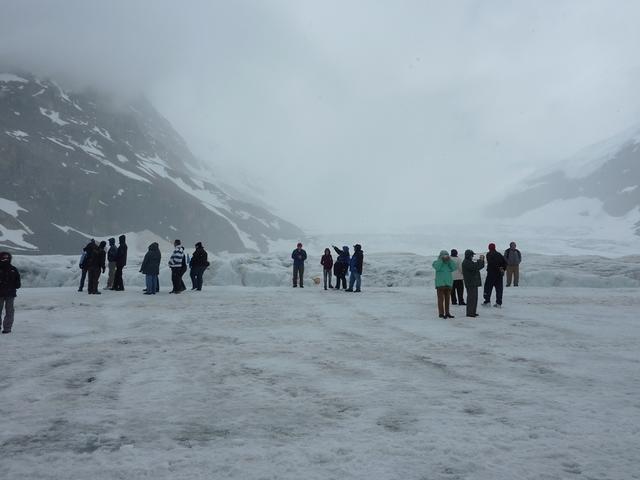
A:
[454,252]
[492,247]
[199,245]
[299,244]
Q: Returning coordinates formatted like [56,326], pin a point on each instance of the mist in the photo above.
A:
[355,116]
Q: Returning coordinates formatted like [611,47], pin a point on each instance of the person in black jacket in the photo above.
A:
[151,268]
[86,251]
[496,265]
[355,267]
[198,265]
[121,261]
[341,266]
[96,264]
[9,283]
[112,253]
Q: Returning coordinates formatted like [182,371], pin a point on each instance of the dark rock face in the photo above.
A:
[611,175]
[73,164]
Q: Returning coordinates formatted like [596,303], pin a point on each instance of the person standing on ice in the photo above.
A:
[341,266]
[9,283]
[299,256]
[151,268]
[513,257]
[444,268]
[457,290]
[111,262]
[86,251]
[355,267]
[496,265]
[177,264]
[198,265]
[121,261]
[472,280]
[327,263]
[96,264]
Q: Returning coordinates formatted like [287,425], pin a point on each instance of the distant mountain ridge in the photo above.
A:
[604,178]
[76,165]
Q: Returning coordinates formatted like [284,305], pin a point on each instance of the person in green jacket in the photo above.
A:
[472,280]
[444,281]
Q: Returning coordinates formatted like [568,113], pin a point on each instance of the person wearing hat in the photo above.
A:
[355,267]
[198,265]
[472,280]
[299,256]
[9,283]
[444,268]
[178,265]
[112,253]
[496,265]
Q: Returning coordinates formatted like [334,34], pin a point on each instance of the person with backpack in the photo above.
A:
[121,262]
[341,266]
[151,268]
[457,290]
[198,265]
[327,263]
[96,264]
[112,253]
[355,267]
[496,265]
[88,249]
[513,257]
[298,256]
[444,268]
[472,280]
[9,283]
[178,265]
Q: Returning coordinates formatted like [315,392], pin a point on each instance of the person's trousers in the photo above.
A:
[118,284]
[326,274]
[458,288]
[341,279]
[355,278]
[298,271]
[6,303]
[513,273]
[472,301]
[112,274]
[94,278]
[494,280]
[176,279]
[151,282]
[196,277]
[83,276]
[444,297]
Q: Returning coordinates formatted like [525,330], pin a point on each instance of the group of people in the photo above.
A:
[345,262]
[95,260]
[453,275]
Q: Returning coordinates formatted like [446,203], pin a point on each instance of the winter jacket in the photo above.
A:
[199,258]
[327,261]
[86,252]
[112,253]
[444,270]
[457,273]
[495,263]
[341,265]
[299,256]
[151,261]
[9,279]
[178,258]
[121,254]
[471,270]
[96,260]
[512,256]
[357,260]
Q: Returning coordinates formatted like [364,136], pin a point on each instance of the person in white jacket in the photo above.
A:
[457,291]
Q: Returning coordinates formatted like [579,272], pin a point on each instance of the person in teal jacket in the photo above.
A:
[444,268]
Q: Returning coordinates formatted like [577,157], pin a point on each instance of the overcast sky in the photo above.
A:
[356,115]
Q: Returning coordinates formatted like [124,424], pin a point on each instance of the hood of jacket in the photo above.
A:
[154,247]
[469,254]
[443,253]
[6,254]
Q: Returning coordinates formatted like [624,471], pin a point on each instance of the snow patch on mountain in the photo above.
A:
[18,135]
[10,77]
[10,207]
[53,116]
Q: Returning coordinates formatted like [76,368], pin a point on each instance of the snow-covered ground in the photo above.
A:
[276,383]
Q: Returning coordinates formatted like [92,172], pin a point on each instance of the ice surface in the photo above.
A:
[275,383]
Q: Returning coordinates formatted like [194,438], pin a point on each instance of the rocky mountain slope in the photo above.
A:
[78,165]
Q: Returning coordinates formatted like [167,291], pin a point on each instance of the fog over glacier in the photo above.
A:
[354,116]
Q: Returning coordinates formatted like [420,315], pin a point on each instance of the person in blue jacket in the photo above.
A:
[299,256]
[355,267]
